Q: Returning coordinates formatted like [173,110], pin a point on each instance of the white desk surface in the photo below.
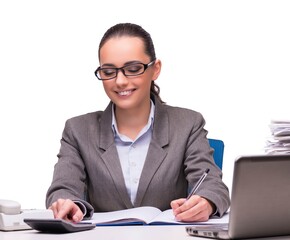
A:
[106,233]
[167,232]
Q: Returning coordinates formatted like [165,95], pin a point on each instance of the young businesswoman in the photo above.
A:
[138,151]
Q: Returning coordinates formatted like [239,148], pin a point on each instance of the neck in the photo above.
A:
[131,121]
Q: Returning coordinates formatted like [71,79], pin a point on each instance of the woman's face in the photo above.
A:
[128,92]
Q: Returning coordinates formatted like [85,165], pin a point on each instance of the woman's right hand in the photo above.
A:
[66,209]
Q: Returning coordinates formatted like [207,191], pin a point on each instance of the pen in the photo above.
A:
[196,186]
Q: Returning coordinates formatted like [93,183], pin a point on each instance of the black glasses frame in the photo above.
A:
[122,70]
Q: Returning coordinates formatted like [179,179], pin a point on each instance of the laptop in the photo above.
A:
[260,200]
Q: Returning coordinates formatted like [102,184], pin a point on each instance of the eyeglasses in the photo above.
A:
[133,69]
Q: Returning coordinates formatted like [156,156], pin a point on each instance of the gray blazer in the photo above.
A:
[89,170]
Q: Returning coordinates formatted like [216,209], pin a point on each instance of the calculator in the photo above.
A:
[57,225]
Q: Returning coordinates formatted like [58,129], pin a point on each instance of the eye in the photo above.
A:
[134,69]
[108,72]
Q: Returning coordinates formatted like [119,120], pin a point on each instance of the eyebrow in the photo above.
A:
[125,64]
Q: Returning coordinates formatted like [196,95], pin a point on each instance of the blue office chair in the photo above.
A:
[218,146]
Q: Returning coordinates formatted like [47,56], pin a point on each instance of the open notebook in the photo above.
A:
[144,216]
[259,201]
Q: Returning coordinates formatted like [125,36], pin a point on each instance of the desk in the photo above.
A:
[165,232]
[106,233]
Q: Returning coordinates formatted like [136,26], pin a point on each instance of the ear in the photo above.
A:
[156,69]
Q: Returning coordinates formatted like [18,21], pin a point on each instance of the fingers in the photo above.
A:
[176,205]
[194,209]
[66,209]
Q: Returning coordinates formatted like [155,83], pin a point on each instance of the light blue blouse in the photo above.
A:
[132,153]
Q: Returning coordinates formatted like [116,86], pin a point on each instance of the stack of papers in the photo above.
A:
[279,142]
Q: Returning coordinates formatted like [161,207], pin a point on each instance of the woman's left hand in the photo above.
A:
[195,209]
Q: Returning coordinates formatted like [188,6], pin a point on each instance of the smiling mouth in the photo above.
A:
[125,93]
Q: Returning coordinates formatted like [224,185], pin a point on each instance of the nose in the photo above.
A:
[121,79]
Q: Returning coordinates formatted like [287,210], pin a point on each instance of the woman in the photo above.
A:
[139,151]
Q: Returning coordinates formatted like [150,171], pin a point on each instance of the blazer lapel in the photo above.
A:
[156,154]
[110,155]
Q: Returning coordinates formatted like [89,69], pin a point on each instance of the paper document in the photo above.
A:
[145,216]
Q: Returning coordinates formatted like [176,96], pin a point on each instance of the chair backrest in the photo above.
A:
[218,154]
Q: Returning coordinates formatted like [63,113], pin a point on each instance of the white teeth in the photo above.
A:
[124,93]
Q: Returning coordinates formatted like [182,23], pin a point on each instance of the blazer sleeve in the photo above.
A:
[198,157]
[69,177]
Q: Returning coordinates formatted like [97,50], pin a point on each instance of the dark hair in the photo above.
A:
[133,30]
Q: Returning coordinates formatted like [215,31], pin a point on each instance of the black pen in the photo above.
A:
[196,186]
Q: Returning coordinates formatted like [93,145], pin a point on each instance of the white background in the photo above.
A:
[228,60]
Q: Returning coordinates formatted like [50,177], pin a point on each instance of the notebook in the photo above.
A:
[259,200]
